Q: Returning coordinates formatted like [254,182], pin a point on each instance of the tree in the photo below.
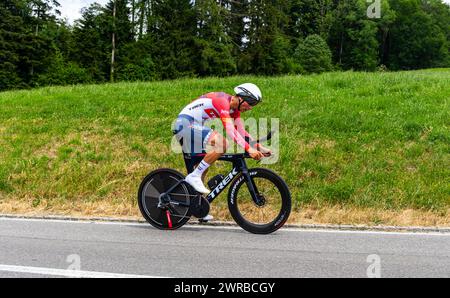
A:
[113,42]
[419,37]
[353,36]
[266,49]
[42,12]
[119,28]
[41,15]
[440,13]
[307,17]
[166,39]
[11,32]
[137,63]
[92,41]
[142,4]
[174,33]
[384,26]
[214,48]
[314,55]
[61,72]
[24,49]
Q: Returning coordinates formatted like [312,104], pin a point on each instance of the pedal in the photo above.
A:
[214,181]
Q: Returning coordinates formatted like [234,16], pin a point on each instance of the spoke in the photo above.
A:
[263,217]
[167,182]
[151,191]
[175,212]
[244,212]
[158,183]
[159,216]
[151,198]
[264,214]
[179,216]
[182,194]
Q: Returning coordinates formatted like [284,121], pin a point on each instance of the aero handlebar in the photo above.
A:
[260,140]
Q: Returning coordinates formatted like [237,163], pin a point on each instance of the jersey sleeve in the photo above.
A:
[239,125]
[223,107]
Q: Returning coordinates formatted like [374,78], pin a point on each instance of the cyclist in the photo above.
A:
[194,136]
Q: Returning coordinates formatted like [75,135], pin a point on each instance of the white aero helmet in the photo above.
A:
[250,93]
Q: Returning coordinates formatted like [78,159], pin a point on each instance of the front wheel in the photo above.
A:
[272,209]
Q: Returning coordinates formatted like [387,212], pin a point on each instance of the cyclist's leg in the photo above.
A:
[192,136]
[217,147]
[200,137]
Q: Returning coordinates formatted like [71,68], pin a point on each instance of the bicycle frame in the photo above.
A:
[239,166]
[177,201]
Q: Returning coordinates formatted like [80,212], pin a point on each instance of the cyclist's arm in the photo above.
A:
[240,128]
[228,123]
[224,113]
[239,125]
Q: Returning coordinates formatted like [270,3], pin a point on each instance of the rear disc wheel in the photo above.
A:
[168,216]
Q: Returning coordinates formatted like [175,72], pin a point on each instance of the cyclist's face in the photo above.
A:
[245,107]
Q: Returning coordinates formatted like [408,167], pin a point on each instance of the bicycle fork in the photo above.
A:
[258,199]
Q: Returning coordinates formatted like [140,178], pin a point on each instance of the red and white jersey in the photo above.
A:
[217,105]
[210,106]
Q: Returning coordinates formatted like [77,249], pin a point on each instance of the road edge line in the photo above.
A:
[413,229]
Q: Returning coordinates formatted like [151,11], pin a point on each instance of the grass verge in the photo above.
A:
[354,147]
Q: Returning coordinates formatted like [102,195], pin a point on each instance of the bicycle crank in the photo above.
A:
[199,207]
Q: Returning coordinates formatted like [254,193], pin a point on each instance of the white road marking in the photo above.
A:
[330,231]
[374,232]
[290,229]
[69,273]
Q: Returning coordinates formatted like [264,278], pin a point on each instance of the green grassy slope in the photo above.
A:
[377,140]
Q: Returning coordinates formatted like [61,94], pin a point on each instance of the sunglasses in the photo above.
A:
[250,101]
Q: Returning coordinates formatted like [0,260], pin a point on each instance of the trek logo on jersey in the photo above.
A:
[212,113]
[196,106]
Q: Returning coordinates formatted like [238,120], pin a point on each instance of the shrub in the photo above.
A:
[144,71]
[63,73]
[314,55]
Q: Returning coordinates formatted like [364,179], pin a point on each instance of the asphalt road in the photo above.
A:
[48,248]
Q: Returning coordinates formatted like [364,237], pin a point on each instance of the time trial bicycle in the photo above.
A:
[258,199]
